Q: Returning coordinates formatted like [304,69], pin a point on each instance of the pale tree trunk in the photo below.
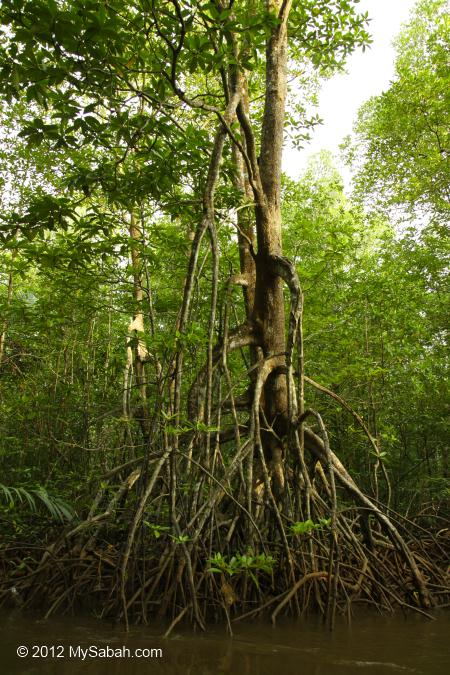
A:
[4,327]
[136,327]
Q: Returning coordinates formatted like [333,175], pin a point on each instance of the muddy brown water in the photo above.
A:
[372,645]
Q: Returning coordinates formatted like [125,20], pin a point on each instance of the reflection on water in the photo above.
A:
[373,645]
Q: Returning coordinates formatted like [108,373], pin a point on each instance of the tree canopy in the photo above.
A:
[401,139]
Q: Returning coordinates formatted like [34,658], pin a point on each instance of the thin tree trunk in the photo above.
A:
[5,320]
[137,325]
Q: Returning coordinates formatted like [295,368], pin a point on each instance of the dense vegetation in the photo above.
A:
[222,390]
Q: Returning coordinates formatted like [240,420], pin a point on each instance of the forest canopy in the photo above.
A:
[222,389]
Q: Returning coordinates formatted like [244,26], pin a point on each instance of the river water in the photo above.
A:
[372,645]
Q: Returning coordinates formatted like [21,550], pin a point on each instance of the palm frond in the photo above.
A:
[57,507]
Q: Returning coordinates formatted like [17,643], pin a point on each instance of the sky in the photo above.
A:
[368,73]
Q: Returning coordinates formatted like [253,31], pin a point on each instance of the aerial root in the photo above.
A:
[146,550]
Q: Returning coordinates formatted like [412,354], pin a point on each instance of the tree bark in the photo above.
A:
[137,325]
[268,313]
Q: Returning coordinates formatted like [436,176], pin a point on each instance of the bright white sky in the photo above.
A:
[368,74]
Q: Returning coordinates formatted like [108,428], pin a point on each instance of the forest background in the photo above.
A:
[141,442]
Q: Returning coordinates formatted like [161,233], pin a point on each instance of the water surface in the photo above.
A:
[372,645]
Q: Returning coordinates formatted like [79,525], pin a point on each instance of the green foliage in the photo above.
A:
[180,538]
[308,526]
[93,130]
[401,144]
[239,564]
[15,497]
[159,530]
[375,328]
[156,530]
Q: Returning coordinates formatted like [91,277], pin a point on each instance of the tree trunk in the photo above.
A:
[268,312]
[137,326]
[4,327]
